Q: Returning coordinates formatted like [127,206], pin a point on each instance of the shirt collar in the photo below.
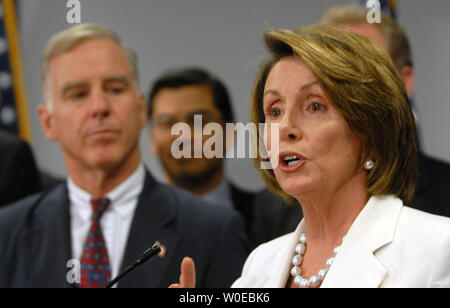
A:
[221,194]
[120,196]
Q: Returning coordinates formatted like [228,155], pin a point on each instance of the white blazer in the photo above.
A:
[388,245]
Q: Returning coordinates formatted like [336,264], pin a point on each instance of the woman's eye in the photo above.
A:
[316,107]
[275,112]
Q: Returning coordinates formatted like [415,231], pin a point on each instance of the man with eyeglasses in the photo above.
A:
[182,96]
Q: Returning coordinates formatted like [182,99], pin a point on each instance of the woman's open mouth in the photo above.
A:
[290,162]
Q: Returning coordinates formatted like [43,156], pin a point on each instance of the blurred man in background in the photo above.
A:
[179,96]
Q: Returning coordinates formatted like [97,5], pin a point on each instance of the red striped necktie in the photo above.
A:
[95,267]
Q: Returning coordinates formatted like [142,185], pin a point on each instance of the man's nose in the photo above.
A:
[100,105]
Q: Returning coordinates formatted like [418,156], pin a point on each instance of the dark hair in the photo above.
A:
[194,76]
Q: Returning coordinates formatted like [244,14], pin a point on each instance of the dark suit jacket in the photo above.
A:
[432,193]
[273,218]
[18,172]
[35,240]
[243,203]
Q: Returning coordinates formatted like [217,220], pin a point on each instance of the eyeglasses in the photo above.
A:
[166,122]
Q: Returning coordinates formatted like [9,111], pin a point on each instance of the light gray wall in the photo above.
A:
[225,37]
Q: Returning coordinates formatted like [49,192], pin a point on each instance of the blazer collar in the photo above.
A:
[356,264]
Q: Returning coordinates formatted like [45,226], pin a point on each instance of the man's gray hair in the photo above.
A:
[395,36]
[67,40]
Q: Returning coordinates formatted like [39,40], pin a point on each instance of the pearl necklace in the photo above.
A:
[297,260]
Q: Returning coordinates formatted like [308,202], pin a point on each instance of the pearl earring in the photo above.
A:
[369,165]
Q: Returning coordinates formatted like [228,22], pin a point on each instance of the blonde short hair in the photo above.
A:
[360,79]
[67,40]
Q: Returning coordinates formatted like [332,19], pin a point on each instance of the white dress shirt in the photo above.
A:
[115,222]
[221,195]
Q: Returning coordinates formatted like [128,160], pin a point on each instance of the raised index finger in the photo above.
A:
[187,278]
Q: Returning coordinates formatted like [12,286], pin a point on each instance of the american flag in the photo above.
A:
[8,110]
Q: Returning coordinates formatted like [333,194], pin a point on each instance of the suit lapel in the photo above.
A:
[356,264]
[355,267]
[152,222]
[47,240]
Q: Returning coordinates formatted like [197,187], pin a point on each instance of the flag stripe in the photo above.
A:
[20,95]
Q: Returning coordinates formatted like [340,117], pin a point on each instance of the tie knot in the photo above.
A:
[99,207]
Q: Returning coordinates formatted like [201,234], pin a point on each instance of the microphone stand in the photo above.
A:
[146,256]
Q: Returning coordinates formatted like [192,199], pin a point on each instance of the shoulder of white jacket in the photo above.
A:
[427,222]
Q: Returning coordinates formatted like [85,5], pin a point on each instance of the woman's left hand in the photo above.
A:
[187,276]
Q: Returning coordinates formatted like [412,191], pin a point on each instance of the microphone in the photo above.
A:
[146,256]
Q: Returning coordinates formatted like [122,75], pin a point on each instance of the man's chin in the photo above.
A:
[107,160]
[104,164]
[185,175]
[180,167]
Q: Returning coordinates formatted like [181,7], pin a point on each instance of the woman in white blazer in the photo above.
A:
[346,152]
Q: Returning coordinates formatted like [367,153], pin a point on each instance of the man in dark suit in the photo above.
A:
[19,176]
[110,209]
[180,96]
[432,193]
[35,240]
